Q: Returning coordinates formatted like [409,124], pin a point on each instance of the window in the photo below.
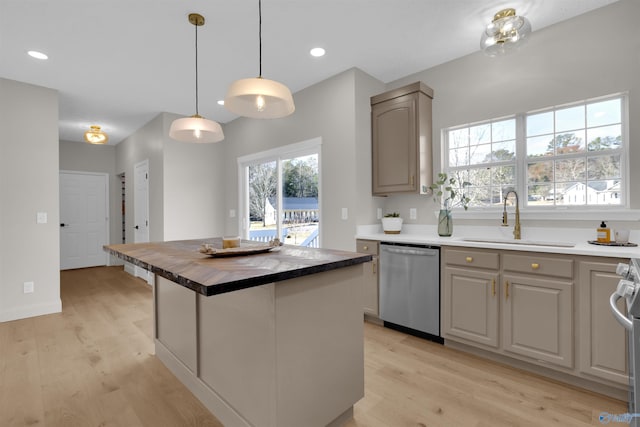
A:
[281,194]
[572,155]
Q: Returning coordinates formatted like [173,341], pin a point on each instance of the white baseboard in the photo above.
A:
[31,311]
[130,268]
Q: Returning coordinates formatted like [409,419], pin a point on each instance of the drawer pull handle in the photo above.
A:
[535,265]
[366,248]
[469,259]
[373,267]
[506,289]
[493,287]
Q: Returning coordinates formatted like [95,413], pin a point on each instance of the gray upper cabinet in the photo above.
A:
[402,140]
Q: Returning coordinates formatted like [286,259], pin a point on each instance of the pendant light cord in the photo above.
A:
[197,113]
[260,33]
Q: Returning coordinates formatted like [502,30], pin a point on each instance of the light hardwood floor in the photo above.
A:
[93,365]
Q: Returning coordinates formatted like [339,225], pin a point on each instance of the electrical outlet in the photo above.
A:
[413,213]
[232,213]
[379,213]
[28,287]
[345,213]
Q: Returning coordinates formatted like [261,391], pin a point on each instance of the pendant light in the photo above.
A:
[257,97]
[506,32]
[96,136]
[196,128]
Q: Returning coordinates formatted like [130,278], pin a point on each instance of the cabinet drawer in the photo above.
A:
[367,247]
[532,263]
[472,258]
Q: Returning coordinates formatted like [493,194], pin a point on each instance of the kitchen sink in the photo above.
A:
[520,242]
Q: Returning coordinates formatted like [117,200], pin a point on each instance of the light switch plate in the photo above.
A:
[41,218]
[232,213]
[345,213]
[28,287]
[379,213]
[413,213]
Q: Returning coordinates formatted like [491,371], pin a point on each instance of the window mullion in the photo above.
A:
[279,198]
[521,158]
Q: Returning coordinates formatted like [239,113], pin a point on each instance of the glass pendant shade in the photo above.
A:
[196,129]
[505,33]
[259,98]
[96,136]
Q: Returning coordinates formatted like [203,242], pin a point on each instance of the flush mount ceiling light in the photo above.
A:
[505,33]
[196,128]
[96,136]
[257,97]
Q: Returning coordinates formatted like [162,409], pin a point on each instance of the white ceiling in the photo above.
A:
[118,63]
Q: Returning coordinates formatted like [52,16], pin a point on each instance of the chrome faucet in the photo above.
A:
[516,228]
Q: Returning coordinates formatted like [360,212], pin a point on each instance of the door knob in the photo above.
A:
[136,227]
[63,224]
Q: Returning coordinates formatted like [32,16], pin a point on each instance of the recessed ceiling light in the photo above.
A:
[221,102]
[317,51]
[37,55]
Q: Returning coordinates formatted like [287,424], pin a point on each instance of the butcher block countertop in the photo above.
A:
[182,263]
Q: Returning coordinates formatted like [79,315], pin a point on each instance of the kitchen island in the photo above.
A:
[269,339]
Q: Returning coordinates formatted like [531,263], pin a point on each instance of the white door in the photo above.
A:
[84,219]
[141,209]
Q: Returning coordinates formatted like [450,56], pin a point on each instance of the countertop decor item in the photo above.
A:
[196,128]
[257,97]
[96,136]
[506,32]
[449,192]
[392,223]
[625,244]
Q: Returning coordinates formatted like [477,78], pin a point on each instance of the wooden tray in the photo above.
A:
[627,244]
[239,251]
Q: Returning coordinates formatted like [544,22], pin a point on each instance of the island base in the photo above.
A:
[282,354]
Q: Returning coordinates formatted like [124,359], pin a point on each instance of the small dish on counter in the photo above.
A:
[249,249]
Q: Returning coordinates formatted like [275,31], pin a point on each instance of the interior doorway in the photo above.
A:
[84,219]
[141,210]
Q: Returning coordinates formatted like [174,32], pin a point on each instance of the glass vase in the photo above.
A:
[445,223]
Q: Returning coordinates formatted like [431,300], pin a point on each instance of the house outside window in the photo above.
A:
[570,156]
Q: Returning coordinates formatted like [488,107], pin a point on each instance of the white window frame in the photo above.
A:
[278,155]
[554,212]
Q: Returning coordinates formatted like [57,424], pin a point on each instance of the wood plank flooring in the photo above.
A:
[93,365]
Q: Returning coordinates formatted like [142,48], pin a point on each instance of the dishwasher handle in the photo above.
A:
[410,251]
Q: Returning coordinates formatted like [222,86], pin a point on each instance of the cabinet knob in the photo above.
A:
[366,248]
[469,259]
[535,265]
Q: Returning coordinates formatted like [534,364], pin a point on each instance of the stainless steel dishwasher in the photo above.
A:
[410,288]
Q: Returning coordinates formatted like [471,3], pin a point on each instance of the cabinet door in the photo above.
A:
[537,318]
[394,145]
[603,343]
[371,287]
[470,305]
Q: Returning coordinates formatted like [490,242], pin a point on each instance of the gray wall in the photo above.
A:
[28,184]
[328,110]
[194,187]
[594,54]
